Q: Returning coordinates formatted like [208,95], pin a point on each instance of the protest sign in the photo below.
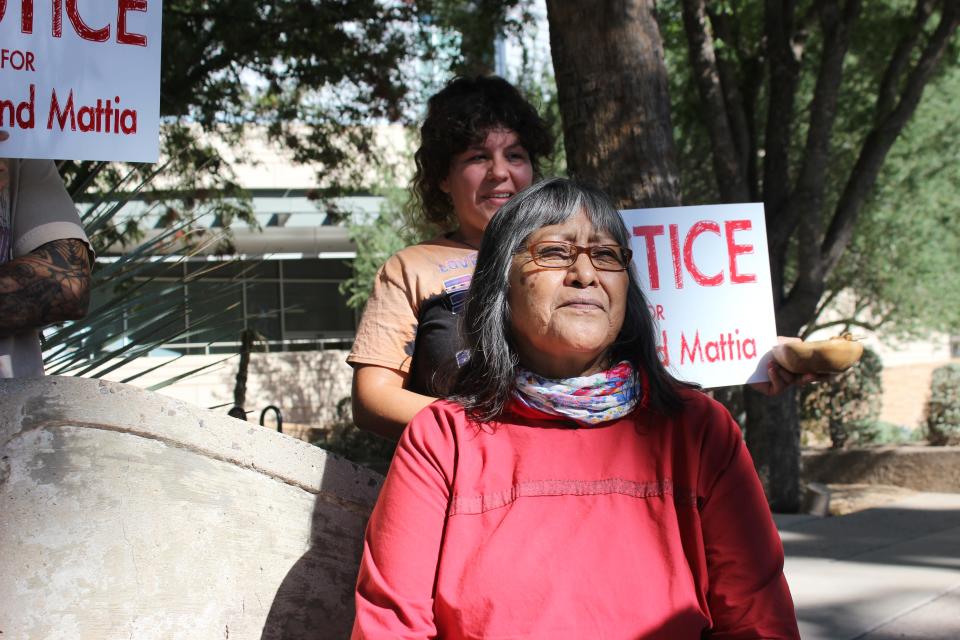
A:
[706,275]
[80,80]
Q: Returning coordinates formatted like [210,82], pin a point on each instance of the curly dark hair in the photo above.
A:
[462,114]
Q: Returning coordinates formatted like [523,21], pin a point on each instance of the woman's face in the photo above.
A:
[484,177]
[564,320]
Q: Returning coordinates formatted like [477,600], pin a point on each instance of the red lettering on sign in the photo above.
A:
[734,250]
[17,60]
[123,37]
[57,29]
[82,28]
[26,16]
[61,114]
[685,258]
[724,348]
[21,115]
[675,253]
[649,233]
[695,231]
[105,116]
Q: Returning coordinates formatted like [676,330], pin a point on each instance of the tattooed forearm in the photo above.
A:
[48,285]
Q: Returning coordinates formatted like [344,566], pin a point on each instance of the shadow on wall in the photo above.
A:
[306,385]
[315,599]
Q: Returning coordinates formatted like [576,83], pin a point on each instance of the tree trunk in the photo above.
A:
[773,438]
[614,99]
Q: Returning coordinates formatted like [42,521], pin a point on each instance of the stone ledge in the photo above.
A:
[131,514]
[920,468]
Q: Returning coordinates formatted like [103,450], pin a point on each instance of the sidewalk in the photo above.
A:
[888,572]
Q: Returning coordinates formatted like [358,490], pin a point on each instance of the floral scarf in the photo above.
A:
[588,400]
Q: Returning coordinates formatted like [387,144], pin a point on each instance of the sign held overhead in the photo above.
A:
[80,80]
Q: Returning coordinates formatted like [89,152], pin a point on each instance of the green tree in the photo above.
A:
[378,239]
[898,276]
[314,76]
[779,85]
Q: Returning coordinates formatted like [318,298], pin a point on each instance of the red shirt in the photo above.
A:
[646,527]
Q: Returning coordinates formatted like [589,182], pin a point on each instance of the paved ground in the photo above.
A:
[888,572]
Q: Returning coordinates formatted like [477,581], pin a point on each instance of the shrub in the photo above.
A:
[847,406]
[361,447]
[880,432]
[943,407]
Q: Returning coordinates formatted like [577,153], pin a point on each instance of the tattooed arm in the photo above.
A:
[48,285]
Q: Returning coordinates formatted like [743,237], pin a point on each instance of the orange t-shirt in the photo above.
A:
[410,323]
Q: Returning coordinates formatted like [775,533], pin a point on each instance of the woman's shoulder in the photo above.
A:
[698,402]
[439,247]
[701,417]
[443,412]
[435,428]
[438,257]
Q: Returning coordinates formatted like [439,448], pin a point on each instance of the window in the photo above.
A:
[294,304]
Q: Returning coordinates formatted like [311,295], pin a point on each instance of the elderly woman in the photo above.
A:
[570,488]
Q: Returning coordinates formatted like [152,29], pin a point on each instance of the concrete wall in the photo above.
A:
[906,389]
[126,514]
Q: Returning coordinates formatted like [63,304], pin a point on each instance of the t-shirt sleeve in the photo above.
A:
[748,594]
[388,329]
[42,208]
[394,597]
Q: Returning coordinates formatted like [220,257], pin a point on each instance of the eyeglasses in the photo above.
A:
[555,254]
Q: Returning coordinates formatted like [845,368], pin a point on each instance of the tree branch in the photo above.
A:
[784,62]
[845,322]
[752,73]
[805,205]
[727,166]
[826,301]
[878,142]
[740,128]
[887,93]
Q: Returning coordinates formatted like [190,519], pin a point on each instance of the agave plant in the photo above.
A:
[133,312]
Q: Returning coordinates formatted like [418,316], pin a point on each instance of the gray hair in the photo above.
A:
[486,382]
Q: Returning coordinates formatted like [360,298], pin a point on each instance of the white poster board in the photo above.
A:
[706,275]
[80,79]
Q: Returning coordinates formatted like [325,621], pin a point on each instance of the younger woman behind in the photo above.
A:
[480,144]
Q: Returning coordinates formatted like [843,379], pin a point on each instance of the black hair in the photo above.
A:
[486,382]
